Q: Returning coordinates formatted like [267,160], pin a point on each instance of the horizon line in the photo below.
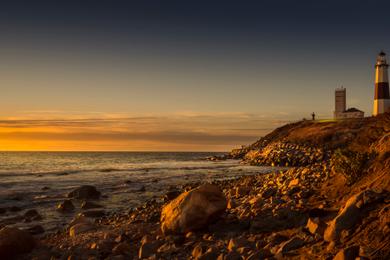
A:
[110,151]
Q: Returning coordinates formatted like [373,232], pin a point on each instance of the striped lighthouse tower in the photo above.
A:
[382,97]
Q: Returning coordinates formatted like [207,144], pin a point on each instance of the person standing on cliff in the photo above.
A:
[313,116]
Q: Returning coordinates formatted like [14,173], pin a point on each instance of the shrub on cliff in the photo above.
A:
[351,164]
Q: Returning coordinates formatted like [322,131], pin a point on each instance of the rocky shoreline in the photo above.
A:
[321,208]
[275,215]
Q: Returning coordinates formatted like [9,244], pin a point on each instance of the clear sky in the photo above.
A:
[179,75]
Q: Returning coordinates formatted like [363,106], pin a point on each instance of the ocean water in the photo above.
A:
[40,180]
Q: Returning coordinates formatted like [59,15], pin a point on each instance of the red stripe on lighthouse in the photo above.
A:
[382,90]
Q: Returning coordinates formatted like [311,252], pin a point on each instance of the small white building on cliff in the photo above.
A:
[340,111]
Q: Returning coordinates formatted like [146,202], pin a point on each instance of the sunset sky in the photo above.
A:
[179,75]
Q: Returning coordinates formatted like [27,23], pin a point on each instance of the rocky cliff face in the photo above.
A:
[356,134]
[364,143]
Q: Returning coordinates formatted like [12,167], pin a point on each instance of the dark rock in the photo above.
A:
[93,213]
[242,190]
[90,205]
[148,249]
[316,226]
[198,250]
[276,239]
[35,230]
[317,212]
[142,189]
[65,206]
[235,226]
[233,255]
[284,218]
[349,253]
[32,213]
[268,193]
[45,188]
[260,254]
[80,228]
[236,243]
[2,210]
[292,244]
[85,192]
[14,241]
[122,238]
[170,195]
[123,248]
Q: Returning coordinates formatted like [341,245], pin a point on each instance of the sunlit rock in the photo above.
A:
[81,228]
[349,214]
[193,210]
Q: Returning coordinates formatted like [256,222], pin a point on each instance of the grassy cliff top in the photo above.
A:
[356,134]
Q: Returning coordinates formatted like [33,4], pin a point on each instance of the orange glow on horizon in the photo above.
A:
[179,132]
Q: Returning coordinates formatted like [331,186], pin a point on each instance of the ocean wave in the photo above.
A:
[152,167]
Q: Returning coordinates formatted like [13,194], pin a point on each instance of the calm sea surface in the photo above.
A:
[40,180]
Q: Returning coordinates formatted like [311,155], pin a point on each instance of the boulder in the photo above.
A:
[242,191]
[93,213]
[85,192]
[268,193]
[123,248]
[276,239]
[231,204]
[78,219]
[14,241]
[192,210]
[198,251]
[170,195]
[259,254]
[81,228]
[316,226]
[65,206]
[148,249]
[35,230]
[90,205]
[292,244]
[167,249]
[235,243]
[349,215]
[31,214]
[349,253]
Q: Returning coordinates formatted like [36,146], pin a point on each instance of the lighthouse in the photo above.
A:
[382,97]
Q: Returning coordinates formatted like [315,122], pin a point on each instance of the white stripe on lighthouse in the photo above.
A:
[381,74]
[381,106]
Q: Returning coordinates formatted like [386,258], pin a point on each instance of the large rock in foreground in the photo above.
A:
[14,241]
[193,210]
[350,214]
[85,192]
